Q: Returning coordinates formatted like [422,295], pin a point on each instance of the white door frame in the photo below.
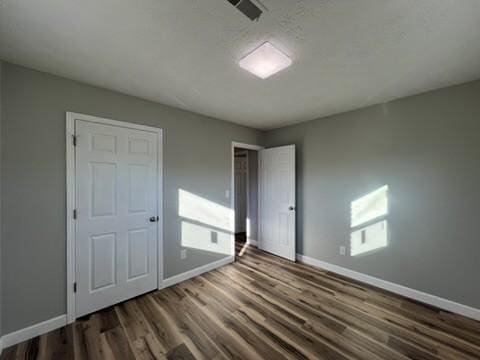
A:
[232,189]
[70,185]
[244,152]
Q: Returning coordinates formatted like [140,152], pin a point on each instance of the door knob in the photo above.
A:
[291,208]
[154,219]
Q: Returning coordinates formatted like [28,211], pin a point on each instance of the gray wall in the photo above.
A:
[427,149]
[197,158]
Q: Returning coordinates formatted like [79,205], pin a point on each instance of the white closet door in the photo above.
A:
[277,201]
[116,229]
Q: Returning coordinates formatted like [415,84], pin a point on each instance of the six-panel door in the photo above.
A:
[116,229]
[277,201]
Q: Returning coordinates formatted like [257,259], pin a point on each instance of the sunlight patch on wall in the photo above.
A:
[205,238]
[369,238]
[206,225]
[369,226]
[197,208]
[368,207]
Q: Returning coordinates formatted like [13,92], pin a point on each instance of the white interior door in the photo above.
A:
[241,164]
[277,201]
[116,173]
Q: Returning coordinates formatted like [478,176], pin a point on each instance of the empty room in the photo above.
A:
[240,179]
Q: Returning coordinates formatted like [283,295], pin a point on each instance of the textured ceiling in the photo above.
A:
[346,53]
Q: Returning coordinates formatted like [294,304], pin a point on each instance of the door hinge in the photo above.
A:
[74,287]
[74,214]
[74,139]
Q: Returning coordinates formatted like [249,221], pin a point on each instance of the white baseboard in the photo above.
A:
[197,271]
[32,331]
[433,300]
[441,303]
[55,323]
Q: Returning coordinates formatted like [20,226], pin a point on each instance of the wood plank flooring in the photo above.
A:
[262,307]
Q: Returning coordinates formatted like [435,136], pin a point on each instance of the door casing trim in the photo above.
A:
[71,205]
[232,189]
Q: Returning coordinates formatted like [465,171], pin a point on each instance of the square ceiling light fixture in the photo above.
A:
[265,61]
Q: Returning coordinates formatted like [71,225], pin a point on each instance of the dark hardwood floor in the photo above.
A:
[262,307]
